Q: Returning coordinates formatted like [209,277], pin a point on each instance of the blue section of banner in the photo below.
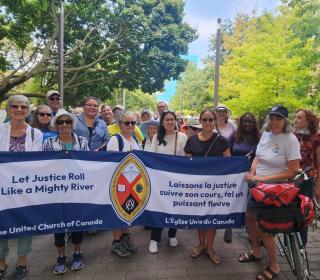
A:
[183,165]
[45,219]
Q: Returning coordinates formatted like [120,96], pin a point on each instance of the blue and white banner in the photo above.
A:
[46,192]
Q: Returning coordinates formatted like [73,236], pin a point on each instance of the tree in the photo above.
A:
[108,44]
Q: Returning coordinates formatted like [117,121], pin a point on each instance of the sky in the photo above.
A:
[203,14]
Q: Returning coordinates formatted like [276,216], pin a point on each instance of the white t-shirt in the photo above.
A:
[169,148]
[274,151]
[227,130]
[113,144]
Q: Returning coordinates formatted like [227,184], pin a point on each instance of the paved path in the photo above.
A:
[168,264]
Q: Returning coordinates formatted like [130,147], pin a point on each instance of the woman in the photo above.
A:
[150,129]
[306,130]
[246,137]
[277,159]
[41,120]
[191,127]
[171,142]
[64,123]
[207,143]
[125,141]
[17,136]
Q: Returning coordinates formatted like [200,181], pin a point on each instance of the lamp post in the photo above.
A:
[217,65]
[60,50]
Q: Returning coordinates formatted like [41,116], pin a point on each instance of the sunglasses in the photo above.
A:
[22,107]
[128,123]
[207,120]
[44,114]
[60,122]
[248,121]
[54,98]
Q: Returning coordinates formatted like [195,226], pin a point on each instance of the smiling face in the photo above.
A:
[248,123]
[18,111]
[64,125]
[152,130]
[44,116]
[169,122]
[276,124]
[301,121]
[127,124]
[207,121]
[91,108]
[54,102]
[107,112]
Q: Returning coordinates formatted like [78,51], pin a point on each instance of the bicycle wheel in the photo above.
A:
[299,259]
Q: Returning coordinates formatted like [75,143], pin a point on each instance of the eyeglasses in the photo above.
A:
[248,121]
[54,98]
[169,120]
[22,107]
[91,105]
[207,120]
[128,123]
[60,122]
[44,114]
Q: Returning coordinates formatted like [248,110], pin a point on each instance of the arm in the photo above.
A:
[227,153]
[252,171]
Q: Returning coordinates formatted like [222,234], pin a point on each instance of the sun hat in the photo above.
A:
[62,112]
[223,108]
[146,124]
[279,110]
[193,123]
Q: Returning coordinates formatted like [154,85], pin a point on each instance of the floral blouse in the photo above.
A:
[17,144]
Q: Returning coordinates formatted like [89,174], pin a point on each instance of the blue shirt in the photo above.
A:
[99,136]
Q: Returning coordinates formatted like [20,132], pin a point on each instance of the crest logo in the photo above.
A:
[130,188]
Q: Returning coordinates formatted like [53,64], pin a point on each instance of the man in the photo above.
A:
[115,129]
[90,126]
[162,106]
[53,101]
[107,114]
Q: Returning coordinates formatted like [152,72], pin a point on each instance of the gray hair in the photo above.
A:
[288,127]
[91,98]
[124,114]
[18,98]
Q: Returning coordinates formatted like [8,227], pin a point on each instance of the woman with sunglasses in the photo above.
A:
[171,142]
[17,136]
[41,120]
[207,143]
[66,140]
[125,141]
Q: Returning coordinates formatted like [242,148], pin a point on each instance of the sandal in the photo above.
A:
[196,251]
[248,258]
[213,257]
[262,275]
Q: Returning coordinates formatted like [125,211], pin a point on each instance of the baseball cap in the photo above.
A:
[52,92]
[118,107]
[279,111]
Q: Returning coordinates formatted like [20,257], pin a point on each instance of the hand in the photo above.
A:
[249,176]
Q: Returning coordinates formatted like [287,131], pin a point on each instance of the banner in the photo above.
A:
[47,192]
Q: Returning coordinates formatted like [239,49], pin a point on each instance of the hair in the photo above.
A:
[67,114]
[161,130]
[18,98]
[312,119]
[89,98]
[210,111]
[239,135]
[105,105]
[288,128]
[125,113]
[35,122]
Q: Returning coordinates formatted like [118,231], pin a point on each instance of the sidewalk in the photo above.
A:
[168,264]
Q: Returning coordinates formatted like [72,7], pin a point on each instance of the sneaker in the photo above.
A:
[173,242]
[61,265]
[153,247]
[21,273]
[3,272]
[227,235]
[119,250]
[77,262]
[128,244]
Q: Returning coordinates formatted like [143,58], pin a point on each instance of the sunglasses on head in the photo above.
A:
[44,114]
[128,123]
[54,98]
[22,107]
[60,122]
[207,120]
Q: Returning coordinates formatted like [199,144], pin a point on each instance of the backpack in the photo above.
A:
[120,141]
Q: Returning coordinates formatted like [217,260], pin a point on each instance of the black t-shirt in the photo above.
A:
[196,147]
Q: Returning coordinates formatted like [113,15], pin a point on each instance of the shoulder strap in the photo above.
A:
[32,134]
[143,143]
[135,138]
[175,143]
[120,142]
[211,145]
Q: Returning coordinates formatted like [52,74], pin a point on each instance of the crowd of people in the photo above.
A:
[277,151]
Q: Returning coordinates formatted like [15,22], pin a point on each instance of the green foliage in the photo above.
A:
[108,44]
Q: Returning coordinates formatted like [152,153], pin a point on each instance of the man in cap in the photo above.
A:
[53,101]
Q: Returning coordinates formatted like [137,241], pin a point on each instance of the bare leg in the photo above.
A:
[211,233]
[2,263]
[254,234]
[117,234]
[22,260]
[270,245]
[62,251]
[202,237]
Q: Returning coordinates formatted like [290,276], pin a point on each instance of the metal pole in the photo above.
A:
[60,50]
[217,64]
